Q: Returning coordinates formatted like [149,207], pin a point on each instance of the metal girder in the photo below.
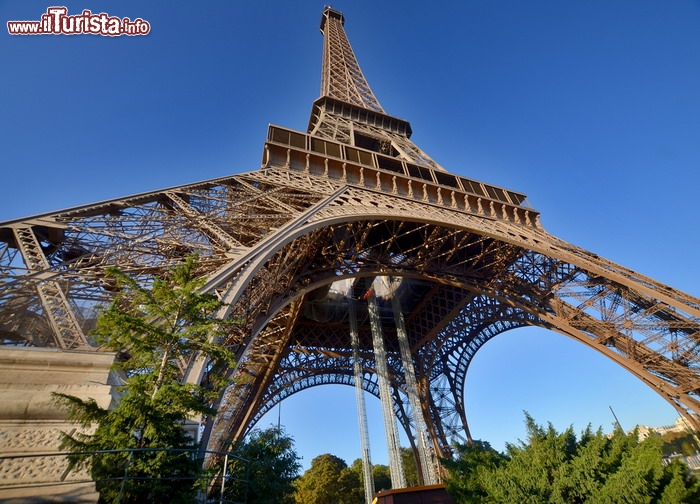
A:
[427,467]
[348,110]
[358,232]
[398,477]
[361,405]
[521,283]
[66,330]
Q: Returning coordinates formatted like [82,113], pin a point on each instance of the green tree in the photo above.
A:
[268,468]
[679,442]
[352,481]
[556,467]
[382,477]
[410,468]
[463,481]
[153,327]
[327,481]
[357,478]
[531,472]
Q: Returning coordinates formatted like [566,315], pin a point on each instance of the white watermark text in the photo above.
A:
[56,21]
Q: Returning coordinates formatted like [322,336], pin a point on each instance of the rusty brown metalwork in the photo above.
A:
[286,245]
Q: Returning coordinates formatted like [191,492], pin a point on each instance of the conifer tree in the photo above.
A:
[142,452]
[557,467]
[265,466]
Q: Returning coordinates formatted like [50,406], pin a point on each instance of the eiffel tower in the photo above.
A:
[351,257]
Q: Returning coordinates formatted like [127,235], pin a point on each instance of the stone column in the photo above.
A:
[31,424]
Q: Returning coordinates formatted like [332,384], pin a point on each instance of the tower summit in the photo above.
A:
[348,111]
[341,77]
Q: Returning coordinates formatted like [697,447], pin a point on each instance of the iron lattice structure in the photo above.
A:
[289,246]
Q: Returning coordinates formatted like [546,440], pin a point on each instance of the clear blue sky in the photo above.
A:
[591,108]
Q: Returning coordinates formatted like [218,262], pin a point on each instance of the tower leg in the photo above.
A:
[398,479]
[361,409]
[427,467]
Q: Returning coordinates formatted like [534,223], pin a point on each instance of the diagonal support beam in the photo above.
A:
[209,228]
[66,330]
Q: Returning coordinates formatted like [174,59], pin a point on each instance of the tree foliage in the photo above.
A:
[266,469]
[329,481]
[380,475]
[357,478]
[154,328]
[556,467]
[410,467]
[463,473]
[683,443]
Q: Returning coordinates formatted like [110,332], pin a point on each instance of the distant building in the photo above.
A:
[681,425]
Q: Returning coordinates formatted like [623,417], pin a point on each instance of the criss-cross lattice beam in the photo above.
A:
[341,77]
[361,405]
[327,232]
[427,473]
[471,264]
[66,329]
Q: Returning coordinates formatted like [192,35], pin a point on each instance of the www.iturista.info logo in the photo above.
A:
[56,21]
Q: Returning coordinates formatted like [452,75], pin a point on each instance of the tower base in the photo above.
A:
[31,468]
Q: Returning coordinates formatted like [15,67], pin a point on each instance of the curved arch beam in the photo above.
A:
[527,279]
